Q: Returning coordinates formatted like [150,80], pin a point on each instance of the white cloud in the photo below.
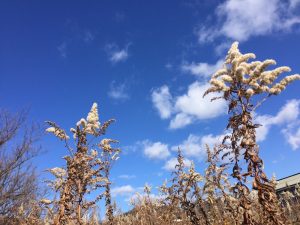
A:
[171,163]
[180,120]
[263,130]
[156,150]
[195,146]
[192,106]
[118,91]
[116,54]
[191,147]
[212,140]
[202,69]
[287,115]
[248,17]
[122,190]
[119,56]
[161,98]
[207,34]
[241,19]
[292,136]
[187,108]
[289,112]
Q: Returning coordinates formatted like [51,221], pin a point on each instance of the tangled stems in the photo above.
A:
[243,139]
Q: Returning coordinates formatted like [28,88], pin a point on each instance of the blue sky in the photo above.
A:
[146,64]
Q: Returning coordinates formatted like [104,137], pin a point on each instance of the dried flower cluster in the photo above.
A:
[87,170]
[252,77]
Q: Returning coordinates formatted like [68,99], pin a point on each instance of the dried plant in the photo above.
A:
[185,193]
[217,188]
[241,83]
[109,155]
[87,170]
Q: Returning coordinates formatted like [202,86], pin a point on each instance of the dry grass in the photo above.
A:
[208,201]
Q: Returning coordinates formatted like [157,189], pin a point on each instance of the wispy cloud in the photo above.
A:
[75,35]
[88,36]
[241,19]
[118,91]
[169,66]
[194,145]
[201,69]
[62,49]
[127,176]
[161,99]
[288,118]
[292,135]
[118,56]
[115,54]
[125,190]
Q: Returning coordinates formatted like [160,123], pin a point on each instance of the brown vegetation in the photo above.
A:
[221,195]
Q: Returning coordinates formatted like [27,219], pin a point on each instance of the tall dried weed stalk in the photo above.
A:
[242,83]
[87,170]
[184,193]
